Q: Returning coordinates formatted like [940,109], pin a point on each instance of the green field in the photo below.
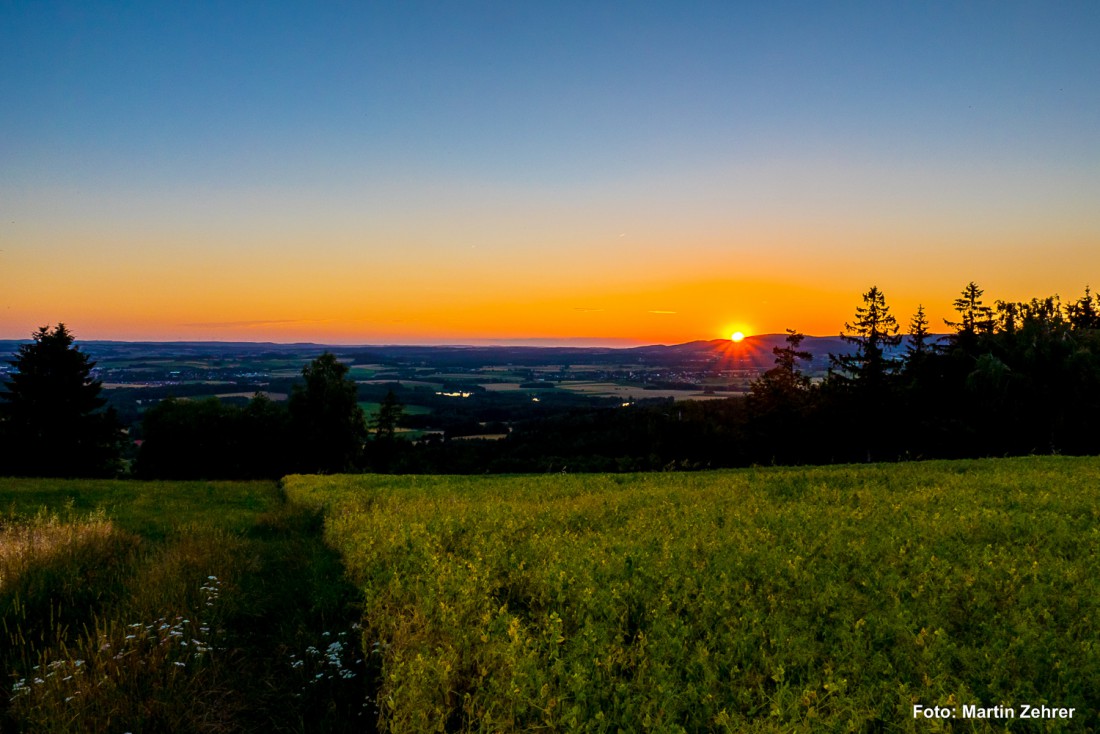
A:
[370,409]
[759,600]
[777,600]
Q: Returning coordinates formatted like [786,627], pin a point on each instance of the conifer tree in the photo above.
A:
[784,385]
[54,420]
[872,332]
[918,346]
[861,384]
[779,403]
[1084,313]
[975,319]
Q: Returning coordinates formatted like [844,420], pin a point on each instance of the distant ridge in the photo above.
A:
[753,353]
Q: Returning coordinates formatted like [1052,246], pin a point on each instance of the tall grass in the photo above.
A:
[56,571]
[25,543]
[103,631]
[203,618]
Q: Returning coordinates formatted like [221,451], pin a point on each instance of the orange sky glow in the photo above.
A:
[417,174]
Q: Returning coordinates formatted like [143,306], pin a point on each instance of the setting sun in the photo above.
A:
[736,336]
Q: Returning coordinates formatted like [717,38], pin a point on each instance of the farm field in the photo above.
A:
[628,392]
[760,600]
[370,408]
[500,386]
[172,607]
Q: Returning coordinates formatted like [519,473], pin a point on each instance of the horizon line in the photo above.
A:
[531,342]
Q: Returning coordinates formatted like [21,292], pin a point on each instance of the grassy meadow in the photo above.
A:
[760,600]
[172,607]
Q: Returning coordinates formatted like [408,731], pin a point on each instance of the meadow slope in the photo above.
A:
[171,607]
[779,599]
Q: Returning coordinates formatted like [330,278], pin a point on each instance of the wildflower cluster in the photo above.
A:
[335,658]
[212,590]
[60,670]
[167,646]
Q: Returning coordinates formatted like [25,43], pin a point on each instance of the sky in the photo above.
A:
[517,172]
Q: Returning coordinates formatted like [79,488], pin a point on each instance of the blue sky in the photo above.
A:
[496,87]
[777,142]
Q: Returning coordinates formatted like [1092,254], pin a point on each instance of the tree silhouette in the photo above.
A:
[784,385]
[778,402]
[326,419]
[1084,313]
[54,420]
[918,347]
[975,319]
[872,332]
[382,452]
[859,389]
[389,413]
[209,439]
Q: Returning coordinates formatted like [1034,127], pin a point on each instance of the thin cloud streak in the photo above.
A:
[247,324]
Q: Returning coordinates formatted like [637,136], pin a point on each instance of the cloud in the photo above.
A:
[555,341]
[663,312]
[245,324]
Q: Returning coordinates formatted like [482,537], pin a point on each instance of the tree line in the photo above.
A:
[1008,378]
[54,422]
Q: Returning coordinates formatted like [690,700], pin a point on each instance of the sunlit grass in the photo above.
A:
[24,543]
[171,607]
[150,509]
[793,600]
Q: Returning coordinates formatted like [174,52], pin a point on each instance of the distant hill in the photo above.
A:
[753,353]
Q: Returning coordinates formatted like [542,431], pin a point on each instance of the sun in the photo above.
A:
[736,336]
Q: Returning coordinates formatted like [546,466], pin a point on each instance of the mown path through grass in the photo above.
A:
[172,607]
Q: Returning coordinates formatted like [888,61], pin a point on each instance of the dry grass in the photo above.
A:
[28,542]
[198,607]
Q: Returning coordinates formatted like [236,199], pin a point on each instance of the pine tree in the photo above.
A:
[862,383]
[872,332]
[975,319]
[779,403]
[918,347]
[54,420]
[1084,313]
[784,385]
